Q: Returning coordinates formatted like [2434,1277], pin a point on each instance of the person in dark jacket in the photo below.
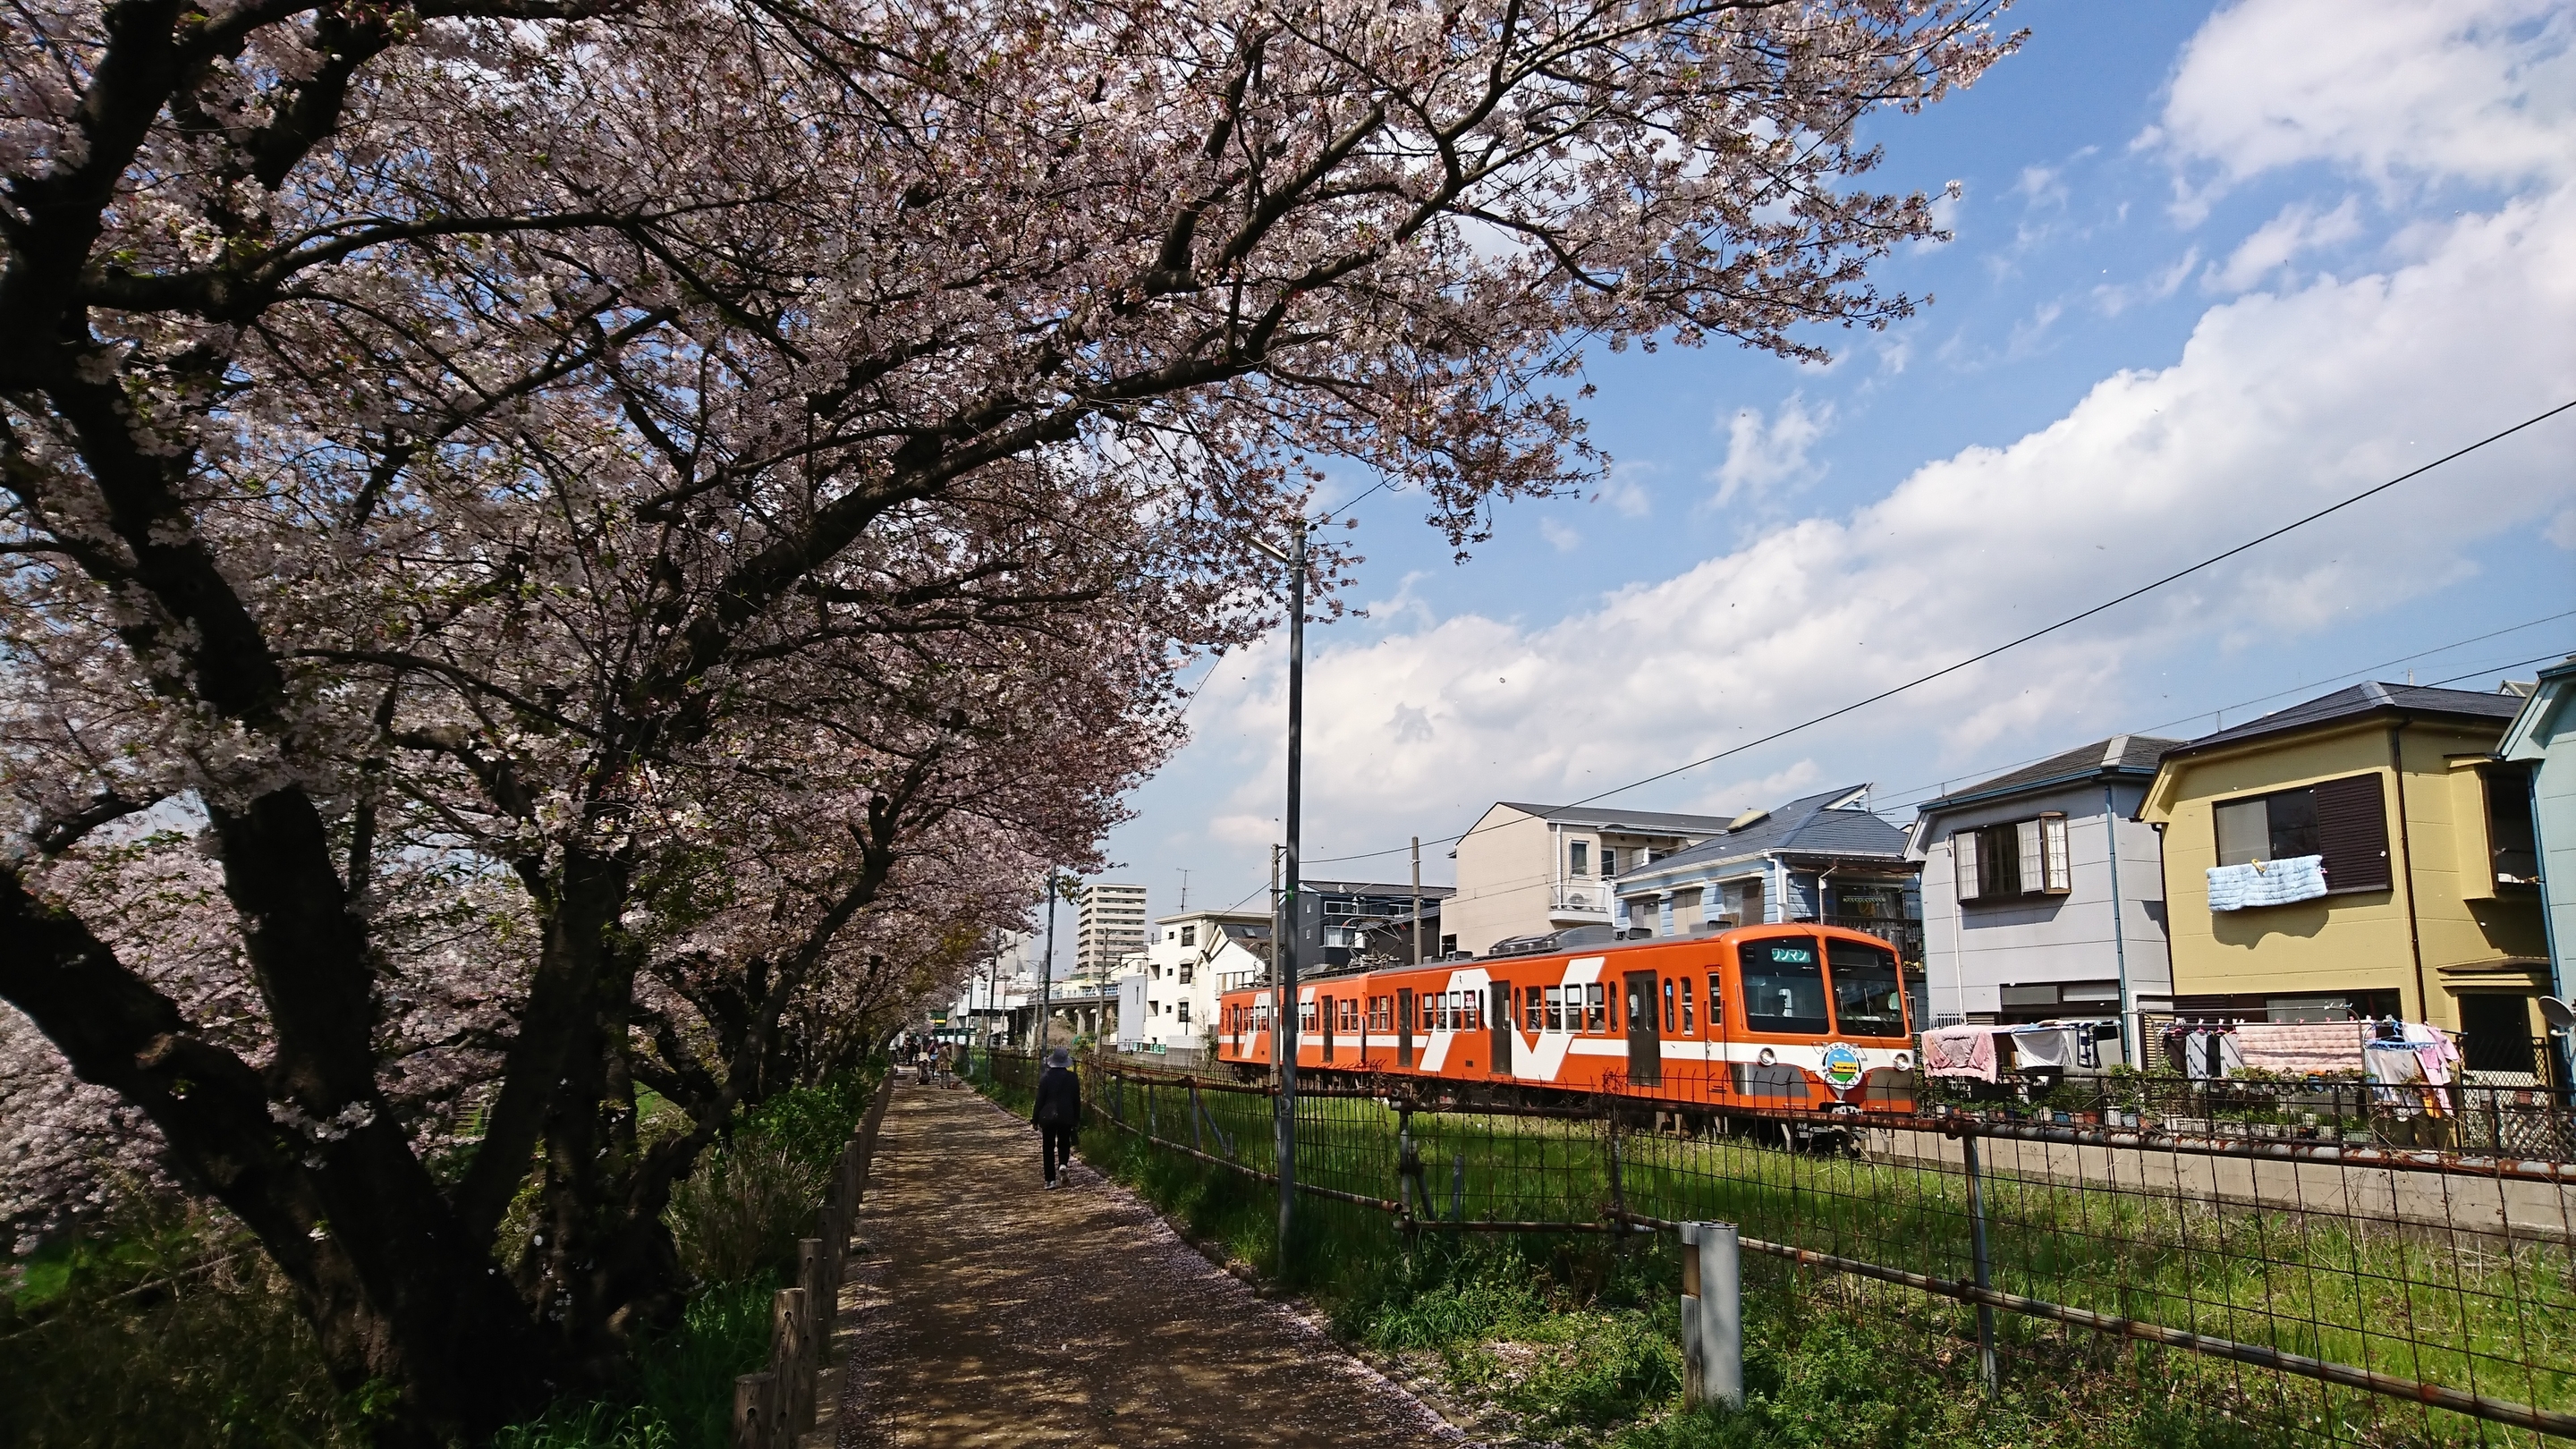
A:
[1058,1113]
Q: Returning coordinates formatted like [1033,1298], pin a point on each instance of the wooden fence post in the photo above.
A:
[754,1410]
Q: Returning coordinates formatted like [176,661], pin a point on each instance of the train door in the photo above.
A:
[1500,1019]
[1329,1010]
[1404,1027]
[1645,1048]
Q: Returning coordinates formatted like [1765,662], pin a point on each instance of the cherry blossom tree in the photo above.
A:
[714,492]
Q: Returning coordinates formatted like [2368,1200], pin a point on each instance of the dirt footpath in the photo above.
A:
[991,1311]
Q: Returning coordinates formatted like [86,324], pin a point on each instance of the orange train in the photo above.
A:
[1759,1018]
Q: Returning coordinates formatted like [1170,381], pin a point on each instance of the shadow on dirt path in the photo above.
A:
[993,1312]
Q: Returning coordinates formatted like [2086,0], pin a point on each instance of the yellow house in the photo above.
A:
[2358,841]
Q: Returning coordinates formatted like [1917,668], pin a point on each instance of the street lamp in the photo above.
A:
[1283,945]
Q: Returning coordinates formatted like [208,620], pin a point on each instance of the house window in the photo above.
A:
[2513,846]
[1185,1013]
[1340,908]
[1579,857]
[1189,935]
[1185,973]
[1448,945]
[2015,859]
[1609,862]
[2343,820]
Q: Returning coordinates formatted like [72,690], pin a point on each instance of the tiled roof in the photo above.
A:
[2120,754]
[2360,700]
[1806,826]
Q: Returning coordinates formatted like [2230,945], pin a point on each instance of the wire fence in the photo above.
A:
[2460,1118]
[2313,1291]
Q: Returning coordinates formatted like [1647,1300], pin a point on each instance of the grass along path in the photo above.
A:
[1524,1320]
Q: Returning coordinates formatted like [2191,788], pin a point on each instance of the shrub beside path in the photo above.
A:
[989,1311]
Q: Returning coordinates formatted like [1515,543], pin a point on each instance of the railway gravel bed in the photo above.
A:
[993,1312]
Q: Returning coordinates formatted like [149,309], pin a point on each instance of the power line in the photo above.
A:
[1899,796]
[2041,632]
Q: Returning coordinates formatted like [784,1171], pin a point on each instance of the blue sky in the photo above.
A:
[2214,267]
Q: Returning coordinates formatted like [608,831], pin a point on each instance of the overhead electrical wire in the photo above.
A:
[2039,633]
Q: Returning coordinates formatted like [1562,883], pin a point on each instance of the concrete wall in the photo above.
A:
[1506,865]
[2526,1211]
[1971,954]
[2339,943]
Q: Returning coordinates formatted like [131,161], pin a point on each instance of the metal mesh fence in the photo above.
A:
[2312,1290]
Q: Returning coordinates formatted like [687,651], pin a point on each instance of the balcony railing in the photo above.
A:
[1905,934]
[1582,895]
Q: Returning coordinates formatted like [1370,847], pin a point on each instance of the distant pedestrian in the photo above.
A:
[1058,1113]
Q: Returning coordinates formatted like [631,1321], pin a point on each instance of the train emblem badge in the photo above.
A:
[1842,1064]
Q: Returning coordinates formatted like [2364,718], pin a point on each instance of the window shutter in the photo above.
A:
[2352,833]
[2034,874]
[2052,844]
[1963,861]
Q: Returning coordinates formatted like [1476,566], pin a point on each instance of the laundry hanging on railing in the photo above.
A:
[2209,1053]
[2302,1048]
[2049,1048]
[1960,1051]
[2266,882]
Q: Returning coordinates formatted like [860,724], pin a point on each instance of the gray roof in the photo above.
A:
[1805,826]
[1605,817]
[2361,701]
[1314,887]
[2131,755]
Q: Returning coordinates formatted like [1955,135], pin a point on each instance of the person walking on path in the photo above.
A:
[1058,1113]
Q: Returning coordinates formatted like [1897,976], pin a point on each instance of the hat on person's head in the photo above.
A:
[1060,1057]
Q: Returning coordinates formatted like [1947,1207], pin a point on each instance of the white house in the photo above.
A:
[1189,959]
[2043,894]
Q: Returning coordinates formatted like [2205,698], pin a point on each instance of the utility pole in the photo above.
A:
[1417,900]
[1185,890]
[1288,891]
[1284,930]
[1046,973]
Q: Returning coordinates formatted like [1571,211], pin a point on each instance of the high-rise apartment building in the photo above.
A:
[1112,925]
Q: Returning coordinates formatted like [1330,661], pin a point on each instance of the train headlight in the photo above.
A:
[1905,1061]
[1767,1057]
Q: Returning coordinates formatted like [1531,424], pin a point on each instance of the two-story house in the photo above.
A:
[1527,870]
[2043,894]
[1190,958]
[1825,857]
[2338,857]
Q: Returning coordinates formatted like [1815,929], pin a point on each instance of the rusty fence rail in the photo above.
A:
[2316,1292]
[773,1407]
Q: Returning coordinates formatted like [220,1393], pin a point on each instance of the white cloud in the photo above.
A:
[2280,402]
[2476,89]
[2114,298]
[2298,228]
[1560,537]
[1761,457]
[1625,491]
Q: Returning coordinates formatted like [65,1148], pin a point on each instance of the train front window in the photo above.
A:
[1867,1000]
[1784,987]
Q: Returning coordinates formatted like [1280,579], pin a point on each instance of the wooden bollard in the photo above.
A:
[787,1357]
[755,1411]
